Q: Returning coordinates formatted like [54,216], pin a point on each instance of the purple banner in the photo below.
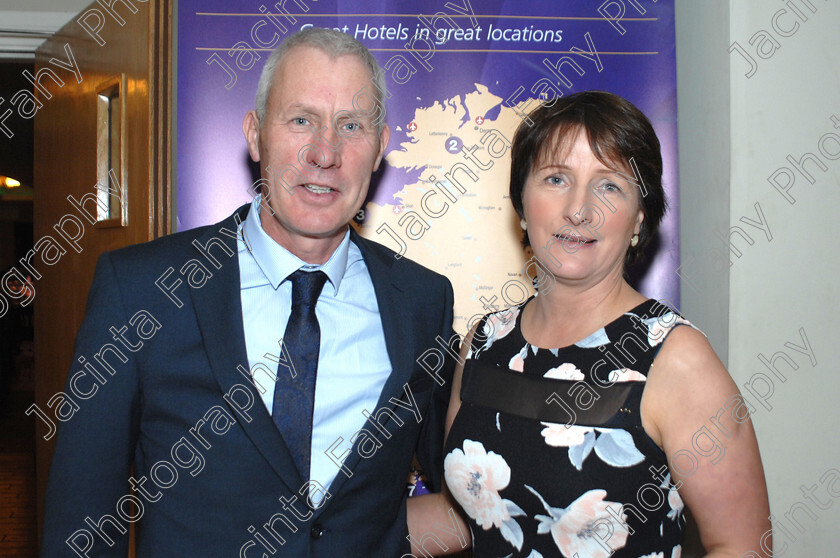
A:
[461,75]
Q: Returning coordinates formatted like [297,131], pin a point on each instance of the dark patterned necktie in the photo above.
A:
[294,391]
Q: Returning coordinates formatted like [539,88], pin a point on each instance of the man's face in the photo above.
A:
[316,149]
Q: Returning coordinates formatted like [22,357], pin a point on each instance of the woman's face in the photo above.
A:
[580,214]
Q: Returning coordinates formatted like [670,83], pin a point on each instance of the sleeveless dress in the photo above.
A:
[547,454]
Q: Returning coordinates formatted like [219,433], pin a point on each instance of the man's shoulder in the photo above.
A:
[394,262]
[183,245]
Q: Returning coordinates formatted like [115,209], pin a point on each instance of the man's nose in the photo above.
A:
[324,151]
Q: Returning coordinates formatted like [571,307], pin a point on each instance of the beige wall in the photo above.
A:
[735,133]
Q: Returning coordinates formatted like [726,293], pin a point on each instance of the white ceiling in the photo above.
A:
[25,24]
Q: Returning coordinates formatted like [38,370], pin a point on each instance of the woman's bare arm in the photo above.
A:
[691,408]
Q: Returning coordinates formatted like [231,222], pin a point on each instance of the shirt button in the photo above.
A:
[317,531]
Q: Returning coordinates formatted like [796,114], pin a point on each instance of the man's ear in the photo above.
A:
[383,143]
[251,129]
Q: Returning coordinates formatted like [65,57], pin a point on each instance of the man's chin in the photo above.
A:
[316,234]
[306,231]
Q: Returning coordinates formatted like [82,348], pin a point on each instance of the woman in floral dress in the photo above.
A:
[583,421]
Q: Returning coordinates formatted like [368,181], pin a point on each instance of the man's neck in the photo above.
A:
[312,250]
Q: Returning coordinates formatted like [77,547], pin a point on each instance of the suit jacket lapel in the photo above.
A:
[398,338]
[218,310]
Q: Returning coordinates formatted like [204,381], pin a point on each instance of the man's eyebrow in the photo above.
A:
[308,110]
[344,114]
[301,107]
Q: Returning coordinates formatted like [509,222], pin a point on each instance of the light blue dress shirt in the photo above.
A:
[353,360]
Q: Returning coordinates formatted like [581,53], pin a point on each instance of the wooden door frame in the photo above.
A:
[162,55]
[52,371]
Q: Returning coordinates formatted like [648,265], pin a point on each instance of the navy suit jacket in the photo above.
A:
[158,400]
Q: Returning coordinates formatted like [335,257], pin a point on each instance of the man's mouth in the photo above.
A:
[316,189]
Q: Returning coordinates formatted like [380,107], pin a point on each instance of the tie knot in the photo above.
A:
[306,287]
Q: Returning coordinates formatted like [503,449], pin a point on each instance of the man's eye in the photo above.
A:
[300,121]
[351,126]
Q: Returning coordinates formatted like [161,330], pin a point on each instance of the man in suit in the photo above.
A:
[196,423]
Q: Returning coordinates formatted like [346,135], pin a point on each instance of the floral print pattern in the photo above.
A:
[498,325]
[674,499]
[660,327]
[475,478]
[566,371]
[517,363]
[538,489]
[564,435]
[626,375]
[578,528]
[613,445]
[676,552]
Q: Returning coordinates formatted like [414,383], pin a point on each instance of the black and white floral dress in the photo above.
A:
[589,482]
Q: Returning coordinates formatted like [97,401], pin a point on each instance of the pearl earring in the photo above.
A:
[634,240]
[523,224]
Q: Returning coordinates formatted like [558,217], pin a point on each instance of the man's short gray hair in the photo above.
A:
[335,44]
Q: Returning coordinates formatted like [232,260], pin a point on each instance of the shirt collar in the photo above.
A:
[277,263]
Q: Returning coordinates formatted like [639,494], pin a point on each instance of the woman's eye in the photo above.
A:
[555,180]
[610,187]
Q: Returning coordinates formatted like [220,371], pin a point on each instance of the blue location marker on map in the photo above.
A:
[454,144]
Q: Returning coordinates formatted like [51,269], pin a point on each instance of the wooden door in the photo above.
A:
[103,86]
